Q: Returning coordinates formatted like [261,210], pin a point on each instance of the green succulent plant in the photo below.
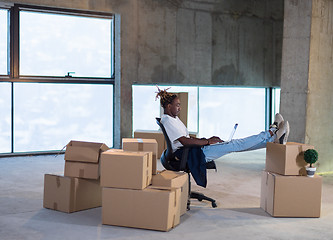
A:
[311,156]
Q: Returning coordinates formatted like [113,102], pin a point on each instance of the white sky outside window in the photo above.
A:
[55,44]
[5,117]
[3,41]
[48,116]
[146,109]
[221,108]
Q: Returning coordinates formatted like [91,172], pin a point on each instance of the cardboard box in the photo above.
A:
[290,196]
[145,145]
[67,194]
[286,159]
[173,179]
[150,208]
[84,151]
[125,169]
[82,170]
[157,135]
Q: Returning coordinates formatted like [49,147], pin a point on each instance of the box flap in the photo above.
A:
[95,145]
[84,151]
[82,154]
[169,179]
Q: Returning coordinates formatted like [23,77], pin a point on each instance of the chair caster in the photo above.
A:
[214,204]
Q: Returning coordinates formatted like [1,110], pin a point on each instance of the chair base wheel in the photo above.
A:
[200,197]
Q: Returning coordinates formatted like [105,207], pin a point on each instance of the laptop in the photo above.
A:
[233,132]
[231,135]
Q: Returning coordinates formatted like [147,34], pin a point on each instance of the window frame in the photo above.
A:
[13,59]
[14,46]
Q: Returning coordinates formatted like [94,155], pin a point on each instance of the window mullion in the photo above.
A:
[14,42]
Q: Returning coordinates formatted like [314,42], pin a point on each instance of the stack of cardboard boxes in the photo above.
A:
[135,194]
[286,191]
[79,188]
[125,182]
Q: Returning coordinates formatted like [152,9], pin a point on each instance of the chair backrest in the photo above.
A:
[168,159]
[167,156]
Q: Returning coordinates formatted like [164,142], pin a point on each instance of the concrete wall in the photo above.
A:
[206,42]
[210,42]
[295,65]
[306,78]
[319,112]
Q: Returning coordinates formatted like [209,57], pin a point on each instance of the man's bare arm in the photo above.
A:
[199,141]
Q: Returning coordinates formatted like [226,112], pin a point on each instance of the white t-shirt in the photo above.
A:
[175,129]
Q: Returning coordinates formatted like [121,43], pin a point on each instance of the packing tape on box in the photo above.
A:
[81,173]
[147,181]
[175,198]
[58,181]
[300,148]
[140,147]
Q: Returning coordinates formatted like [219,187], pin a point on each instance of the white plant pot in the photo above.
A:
[311,171]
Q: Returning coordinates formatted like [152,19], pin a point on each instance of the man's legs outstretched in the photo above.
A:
[254,142]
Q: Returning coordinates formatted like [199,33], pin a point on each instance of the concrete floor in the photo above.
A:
[236,187]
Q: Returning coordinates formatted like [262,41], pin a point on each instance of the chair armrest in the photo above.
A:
[183,160]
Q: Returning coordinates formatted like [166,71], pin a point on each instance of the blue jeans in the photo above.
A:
[254,142]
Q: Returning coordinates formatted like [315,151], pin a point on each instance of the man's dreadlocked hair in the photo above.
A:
[165,97]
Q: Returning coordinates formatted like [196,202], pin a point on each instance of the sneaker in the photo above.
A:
[282,133]
[278,120]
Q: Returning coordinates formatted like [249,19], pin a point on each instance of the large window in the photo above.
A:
[212,110]
[221,108]
[56,78]
[5,117]
[3,41]
[48,116]
[57,44]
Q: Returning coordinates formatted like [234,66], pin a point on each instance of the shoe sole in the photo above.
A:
[284,138]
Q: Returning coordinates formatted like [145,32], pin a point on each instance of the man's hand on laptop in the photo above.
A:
[214,139]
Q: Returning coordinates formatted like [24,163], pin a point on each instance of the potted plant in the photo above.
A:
[310,156]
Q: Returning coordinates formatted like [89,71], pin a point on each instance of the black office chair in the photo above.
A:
[169,162]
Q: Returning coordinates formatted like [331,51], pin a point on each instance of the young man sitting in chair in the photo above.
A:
[214,147]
